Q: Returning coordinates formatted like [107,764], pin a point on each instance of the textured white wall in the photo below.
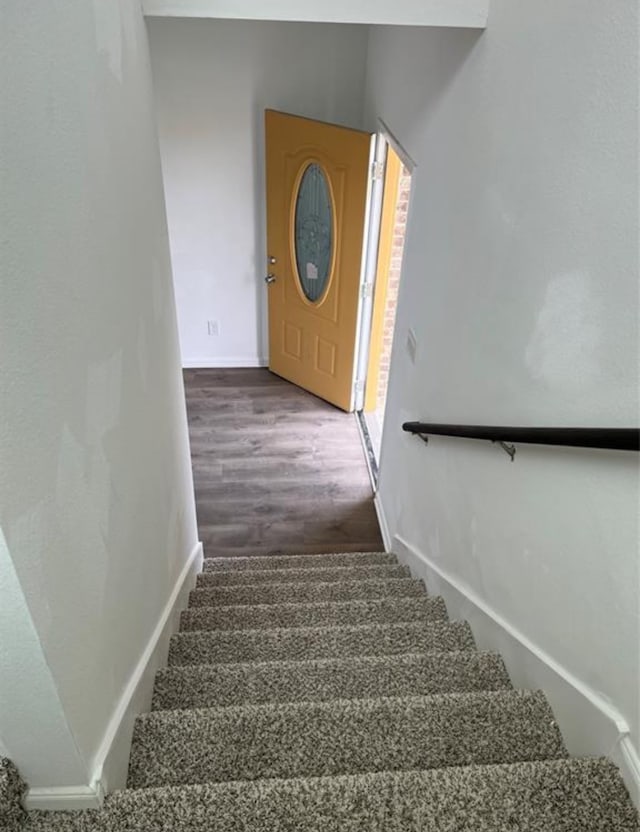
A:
[520,281]
[96,501]
[213,81]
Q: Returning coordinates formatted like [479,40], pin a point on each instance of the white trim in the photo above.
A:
[159,639]
[614,715]
[368,268]
[111,759]
[64,798]
[360,337]
[365,451]
[627,758]
[575,704]
[211,363]
[468,14]
[382,522]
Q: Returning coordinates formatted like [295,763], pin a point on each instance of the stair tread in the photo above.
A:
[307,592]
[262,562]
[569,795]
[306,614]
[307,739]
[323,574]
[279,643]
[204,686]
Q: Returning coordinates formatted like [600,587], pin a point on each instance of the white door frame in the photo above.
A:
[380,141]
[369,265]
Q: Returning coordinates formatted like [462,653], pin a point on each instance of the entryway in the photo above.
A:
[276,469]
[337,201]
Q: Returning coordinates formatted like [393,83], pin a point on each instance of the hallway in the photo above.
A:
[275,468]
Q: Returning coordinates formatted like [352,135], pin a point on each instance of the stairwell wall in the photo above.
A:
[96,494]
[520,281]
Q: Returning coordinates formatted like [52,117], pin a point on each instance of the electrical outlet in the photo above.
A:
[412,345]
[213,328]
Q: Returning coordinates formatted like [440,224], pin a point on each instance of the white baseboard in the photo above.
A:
[64,798]
[382,522]
[590,725]
[627,758]
[110,762]
[222,363]
[365,451]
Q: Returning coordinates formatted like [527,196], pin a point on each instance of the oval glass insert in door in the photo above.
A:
[313,232]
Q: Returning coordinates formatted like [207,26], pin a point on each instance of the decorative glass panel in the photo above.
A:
[313,232]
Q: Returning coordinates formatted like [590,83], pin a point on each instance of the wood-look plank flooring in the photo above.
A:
[276,470]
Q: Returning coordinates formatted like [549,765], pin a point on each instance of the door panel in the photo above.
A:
[317,179]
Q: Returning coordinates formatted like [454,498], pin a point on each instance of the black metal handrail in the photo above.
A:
[617,439]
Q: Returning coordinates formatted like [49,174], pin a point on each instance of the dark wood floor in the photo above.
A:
[275,468]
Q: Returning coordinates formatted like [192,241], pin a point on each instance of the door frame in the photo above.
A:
[370,289]
[373,217]
[392,175]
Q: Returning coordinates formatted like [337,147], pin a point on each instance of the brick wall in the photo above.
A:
[400,224]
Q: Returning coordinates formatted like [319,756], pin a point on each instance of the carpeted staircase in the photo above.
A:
[330,693]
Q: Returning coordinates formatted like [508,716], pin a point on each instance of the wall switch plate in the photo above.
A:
[412,345]
[213,328]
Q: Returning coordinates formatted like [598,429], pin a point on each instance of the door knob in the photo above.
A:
[272,260]
[270,278]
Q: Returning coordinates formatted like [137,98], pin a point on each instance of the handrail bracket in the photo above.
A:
[507,447]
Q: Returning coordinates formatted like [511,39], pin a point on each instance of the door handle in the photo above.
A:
[270,278]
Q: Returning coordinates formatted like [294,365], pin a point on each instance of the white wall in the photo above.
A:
[213,81]
[521,284]
[96,500]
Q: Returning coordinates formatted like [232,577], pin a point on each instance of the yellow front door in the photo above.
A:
[317,177]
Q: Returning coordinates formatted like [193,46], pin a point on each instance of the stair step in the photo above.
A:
[544,796]
[379,611]
[307,592]
[323,575]
[313,739]
[209,686]
[264,562]
[295,643]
